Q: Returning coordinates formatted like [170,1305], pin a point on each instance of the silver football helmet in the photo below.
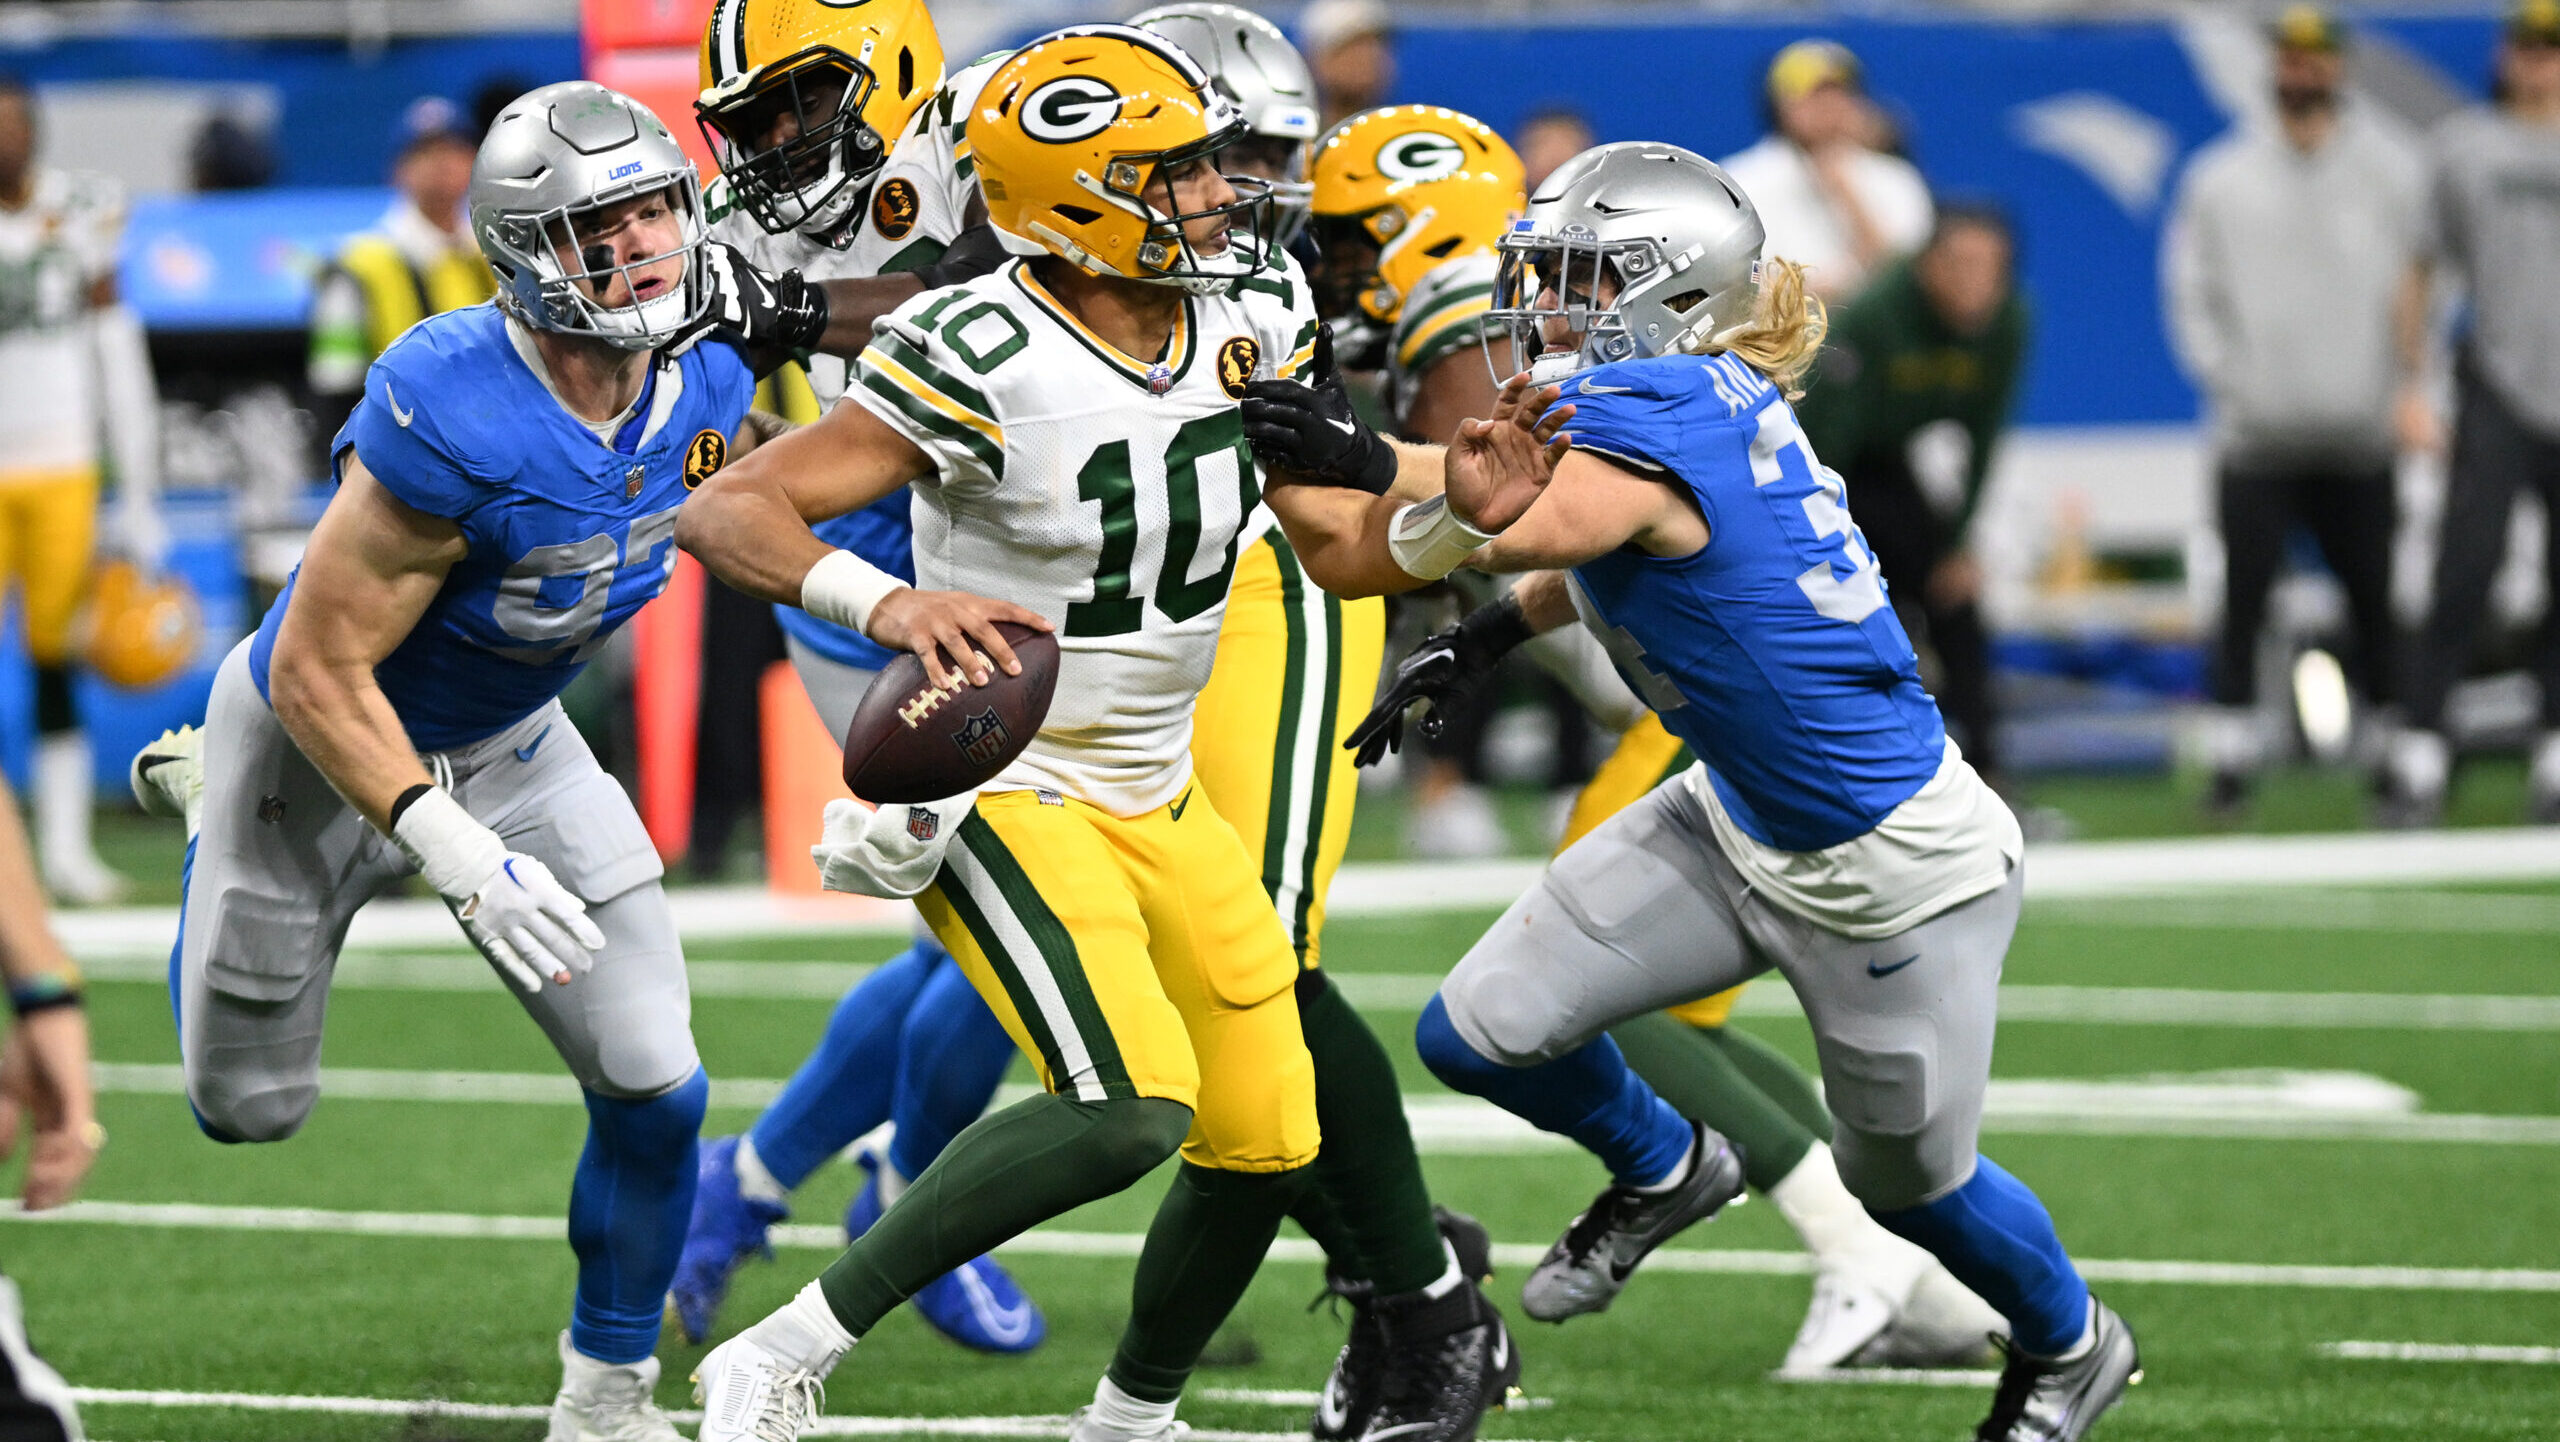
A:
[1248,58]
[1667,227]
[561,153]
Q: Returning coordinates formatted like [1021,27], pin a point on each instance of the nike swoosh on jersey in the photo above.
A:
[1875,970]
[397,414]
[1177,807]
[525,752]
[1588,389]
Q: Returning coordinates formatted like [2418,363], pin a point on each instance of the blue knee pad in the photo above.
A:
[1997,1238]
[1589,1094]
[627,1214]
[952,1054]
[843,1089]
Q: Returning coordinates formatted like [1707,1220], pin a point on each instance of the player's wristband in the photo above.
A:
[455,853]
[49,992]
[844,588]
[1428,541]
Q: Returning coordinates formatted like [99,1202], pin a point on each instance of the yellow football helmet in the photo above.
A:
[1072,131]
[801,100]
[140,629]
[1413,185]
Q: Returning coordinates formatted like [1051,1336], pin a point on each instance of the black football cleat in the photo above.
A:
[1590,1263]
[1351,1390]
[1445,1362]
[2041,1401]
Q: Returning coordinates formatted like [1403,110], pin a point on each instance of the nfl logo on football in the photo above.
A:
[981,738]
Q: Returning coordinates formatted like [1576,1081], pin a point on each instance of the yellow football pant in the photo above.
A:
[1135,957]
[48,529]
[1297,668]
[1645,757]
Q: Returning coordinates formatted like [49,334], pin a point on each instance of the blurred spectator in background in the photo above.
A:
[229,153]
[76,390]
[46,1097]
[2494,220]
[1918,377]
[1830,201]
[418,260]
[1347,45]
[2291,283]
[1552,135]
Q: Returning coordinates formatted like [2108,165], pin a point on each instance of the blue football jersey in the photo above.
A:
[1772,650]
[568,536]
[882,533]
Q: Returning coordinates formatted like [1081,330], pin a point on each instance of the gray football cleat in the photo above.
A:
[1588,1266]
[2041,1401]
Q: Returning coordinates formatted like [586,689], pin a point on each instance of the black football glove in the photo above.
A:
[972,253]
[773,316]
[1445,671]
[1311,432]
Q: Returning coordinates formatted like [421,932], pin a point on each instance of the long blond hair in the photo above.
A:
[1785,331]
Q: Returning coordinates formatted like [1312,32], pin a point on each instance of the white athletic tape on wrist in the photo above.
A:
[456,854]
[1429,541]
[843,588]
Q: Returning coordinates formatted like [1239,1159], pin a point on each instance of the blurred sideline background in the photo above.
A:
[254,136]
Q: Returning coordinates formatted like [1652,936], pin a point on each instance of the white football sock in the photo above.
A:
[804,1332]
[1119,1412]
[1835,1227]
[63,795]
[753,1179]
[1679,1171]
[1450,1276]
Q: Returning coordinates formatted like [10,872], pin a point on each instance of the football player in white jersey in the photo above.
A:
[1070,423]
[74,373]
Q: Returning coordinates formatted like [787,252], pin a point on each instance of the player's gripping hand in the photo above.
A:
[1498,466]
[1311,433]
[522,919]
[894,852]
[1444,672]
[774,314]
[936,624]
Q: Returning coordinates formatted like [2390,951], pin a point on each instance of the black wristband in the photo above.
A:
[1378,468]
[407,799]
[808,318]
[1496,628]
[50,992]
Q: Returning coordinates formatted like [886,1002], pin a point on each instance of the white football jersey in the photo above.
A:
[1108,494]
[52,252]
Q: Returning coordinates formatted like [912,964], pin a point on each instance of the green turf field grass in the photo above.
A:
[1682,1356]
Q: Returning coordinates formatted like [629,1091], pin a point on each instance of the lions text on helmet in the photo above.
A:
[802,99]
[1633,249]
[591,217]
[1100,144]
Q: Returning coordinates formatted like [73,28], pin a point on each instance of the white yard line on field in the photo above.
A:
[1025,1426]
[2439,1352]
[1891,1377]
[1049,1243]
[2272,1104]
[2055,871]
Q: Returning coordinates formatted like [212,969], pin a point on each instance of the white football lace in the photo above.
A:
[791,1399]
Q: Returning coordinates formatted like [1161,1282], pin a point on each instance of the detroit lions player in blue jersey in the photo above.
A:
[507,497]
[1832,831]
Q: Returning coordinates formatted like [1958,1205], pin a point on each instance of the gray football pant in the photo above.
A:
[834,687]
[281,865]
[1647,912]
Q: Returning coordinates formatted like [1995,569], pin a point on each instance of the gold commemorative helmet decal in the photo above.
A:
[1076,138]
[802,98]
[1236,360]
[1415,185]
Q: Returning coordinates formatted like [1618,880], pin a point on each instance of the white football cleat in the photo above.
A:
[1083,1427]
[1847,1313]
[1943,1325]
[167,776]
[748,1394]
[607,1401]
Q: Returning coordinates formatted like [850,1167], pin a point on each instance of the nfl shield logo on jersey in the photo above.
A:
[923,822]
[981,738]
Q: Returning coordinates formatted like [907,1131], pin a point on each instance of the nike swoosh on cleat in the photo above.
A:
[525,753]
[1875,970]
[146,765]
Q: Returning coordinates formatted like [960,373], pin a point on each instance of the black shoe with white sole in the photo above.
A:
[1351,1390]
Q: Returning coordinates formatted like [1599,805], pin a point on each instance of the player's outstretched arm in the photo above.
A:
[44,1064]
[750,524]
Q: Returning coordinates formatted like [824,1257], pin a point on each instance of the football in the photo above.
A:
[911,740]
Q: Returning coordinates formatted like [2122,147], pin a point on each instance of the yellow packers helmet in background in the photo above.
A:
[801,100]
[1420,183]
[140,629]
[1072,131]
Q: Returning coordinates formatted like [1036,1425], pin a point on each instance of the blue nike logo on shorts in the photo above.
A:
[525,752]
[1875,970]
